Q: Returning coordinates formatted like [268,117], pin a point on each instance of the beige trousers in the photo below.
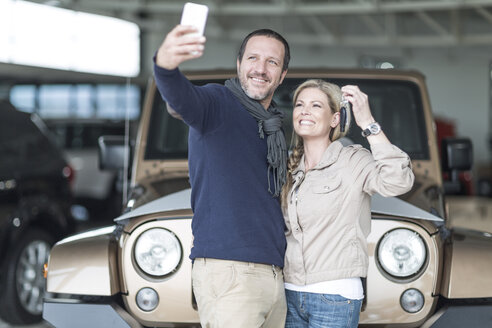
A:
[233,294]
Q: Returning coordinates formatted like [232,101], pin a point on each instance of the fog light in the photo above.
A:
[412,300]
[147,299]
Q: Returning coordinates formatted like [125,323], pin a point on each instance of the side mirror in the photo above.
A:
[112,152]
[457,156]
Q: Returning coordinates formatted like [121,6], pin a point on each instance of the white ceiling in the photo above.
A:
[405,24]
[353,23]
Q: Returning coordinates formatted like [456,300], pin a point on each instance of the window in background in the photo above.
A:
[84,100]
[78,101]
[24,97]
[54,101]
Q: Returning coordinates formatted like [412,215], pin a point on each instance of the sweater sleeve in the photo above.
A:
[388,171]
[195,104]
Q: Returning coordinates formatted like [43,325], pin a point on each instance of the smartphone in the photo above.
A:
[195,15]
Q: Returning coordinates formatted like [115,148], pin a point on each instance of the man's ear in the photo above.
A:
[283,76]
[335,120]
[237,65]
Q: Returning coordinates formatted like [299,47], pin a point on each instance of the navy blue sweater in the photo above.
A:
[235,217]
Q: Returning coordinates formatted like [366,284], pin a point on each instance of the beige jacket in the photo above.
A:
[328,214]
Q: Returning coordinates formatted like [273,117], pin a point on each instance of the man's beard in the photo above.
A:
[259,97]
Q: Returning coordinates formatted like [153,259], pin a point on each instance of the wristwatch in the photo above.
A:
[372,129]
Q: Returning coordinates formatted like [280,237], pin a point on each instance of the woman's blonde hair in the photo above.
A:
[334,95]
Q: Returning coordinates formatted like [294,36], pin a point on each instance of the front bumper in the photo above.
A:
[68,313]
[472,315]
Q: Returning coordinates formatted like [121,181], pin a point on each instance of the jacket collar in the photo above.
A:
[329,157]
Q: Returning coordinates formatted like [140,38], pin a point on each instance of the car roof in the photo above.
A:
[26,145]
[14,123]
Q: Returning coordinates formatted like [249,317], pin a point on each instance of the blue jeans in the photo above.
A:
[321,310]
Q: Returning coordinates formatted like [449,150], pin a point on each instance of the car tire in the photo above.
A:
[21,302]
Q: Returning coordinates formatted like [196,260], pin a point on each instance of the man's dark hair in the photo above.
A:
[271,34]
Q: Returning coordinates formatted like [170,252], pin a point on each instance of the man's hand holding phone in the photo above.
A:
[185,41]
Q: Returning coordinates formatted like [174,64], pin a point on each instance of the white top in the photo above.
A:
[350,288]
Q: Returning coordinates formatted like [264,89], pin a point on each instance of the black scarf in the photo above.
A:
[269,122]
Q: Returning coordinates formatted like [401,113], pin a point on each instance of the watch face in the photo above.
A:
[374,128]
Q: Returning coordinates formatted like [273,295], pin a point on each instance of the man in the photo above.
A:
[237,160]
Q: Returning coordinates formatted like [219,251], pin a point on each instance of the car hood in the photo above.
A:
[181,200]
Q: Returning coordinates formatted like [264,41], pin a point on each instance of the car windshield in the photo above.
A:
[396,105]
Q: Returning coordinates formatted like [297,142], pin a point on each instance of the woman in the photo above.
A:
[327,204]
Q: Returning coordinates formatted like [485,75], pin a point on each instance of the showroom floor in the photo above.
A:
[40,325]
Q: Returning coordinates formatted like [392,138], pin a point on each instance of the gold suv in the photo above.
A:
[422,271]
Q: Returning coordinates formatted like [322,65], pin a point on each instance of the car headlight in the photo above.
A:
[157,252]
[402,253]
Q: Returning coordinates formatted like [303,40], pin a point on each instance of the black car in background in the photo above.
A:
[35,200]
